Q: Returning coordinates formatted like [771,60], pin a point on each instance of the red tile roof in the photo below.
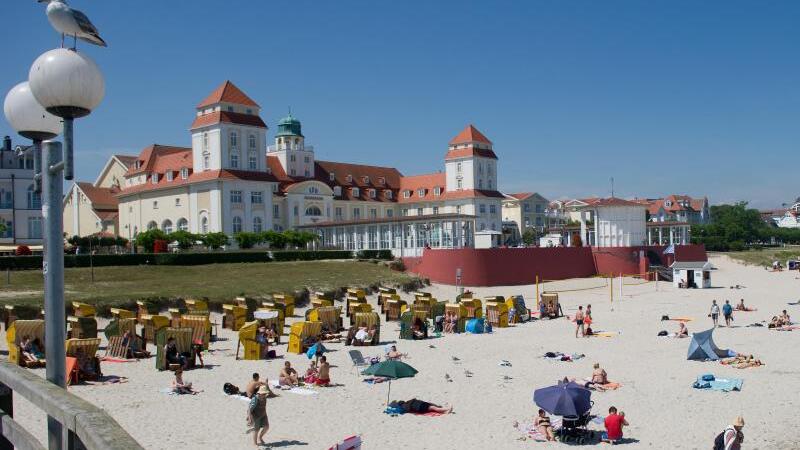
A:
[101,198]
[472,193]
[227,92]
[107,214]
[152,153]
[521,196]
[427,182]
[468,135]
[216,117]
[198,177]
[469,151]
[612,201]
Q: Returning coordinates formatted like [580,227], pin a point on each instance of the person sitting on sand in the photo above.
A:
[288,376]
[682,331]
[613,424]
[363,336]
[254,384]
[30,353]
[418,329]
[450,322]
[131,341]
[173,356]
[324,378]
[181,387]
[394,354]
[740,306]
[416,406]
[311,373]
[785,318]
[599,375]
[542,424]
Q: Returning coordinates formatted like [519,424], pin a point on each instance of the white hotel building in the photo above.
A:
[229,180]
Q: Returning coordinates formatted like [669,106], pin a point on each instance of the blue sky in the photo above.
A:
[665,96]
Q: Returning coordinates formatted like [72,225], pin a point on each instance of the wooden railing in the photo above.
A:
[84,424]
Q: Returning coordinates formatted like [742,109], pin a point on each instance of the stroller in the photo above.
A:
[575,428]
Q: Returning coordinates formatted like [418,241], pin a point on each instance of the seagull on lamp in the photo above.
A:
[71,22]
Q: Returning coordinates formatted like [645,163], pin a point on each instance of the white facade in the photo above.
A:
[20,206]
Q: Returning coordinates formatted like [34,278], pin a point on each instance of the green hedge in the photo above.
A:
[305,255]
[375,254]
[188,259]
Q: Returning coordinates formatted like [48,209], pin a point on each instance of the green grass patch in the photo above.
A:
[120,285]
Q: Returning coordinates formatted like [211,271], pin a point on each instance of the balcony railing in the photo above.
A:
[274,148]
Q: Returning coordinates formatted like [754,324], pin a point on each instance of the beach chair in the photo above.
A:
[118,327]
[394,307]
[270,305]
[116,348]
[386,290]
[358,308]
[151,323]
[183,342]
[437,309]
[75,350]
[241,301]
[120,313]
[461,312]
[473,308]
[247,338]
[353,302]
[196,306]
[301,334]
[9,316]
[521,312]
[201,328]
[273,323]
[497,313]
[83,310]
[358,359]
[234,316]
[321,299]
[82,327]
[419,294]
[174,317]
[357,293]
[551,304]
[330,316]
[17,331]
[88,346]
[369,319]
[406,325]
[423,304]
[288,303]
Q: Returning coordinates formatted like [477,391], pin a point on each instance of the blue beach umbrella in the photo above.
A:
[567,399]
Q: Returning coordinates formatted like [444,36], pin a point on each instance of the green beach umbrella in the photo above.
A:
[391,369]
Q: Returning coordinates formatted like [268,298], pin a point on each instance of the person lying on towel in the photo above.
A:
[419,407]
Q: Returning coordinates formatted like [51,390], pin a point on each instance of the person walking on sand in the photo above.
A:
[257,416]
[579,316]
[732,437]
[727,311]
[714,313]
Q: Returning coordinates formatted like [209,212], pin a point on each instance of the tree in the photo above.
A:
[215,240]
[148,238]
[529,236]
[248,240]
[184,239]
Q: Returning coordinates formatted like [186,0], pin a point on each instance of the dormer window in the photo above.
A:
[249,111]
[184,173]
[421,192]
[137,165]
[372,193]
[388,194]
[366,180]
[406,194]
[154,178]
[356,192]
[332,176]
[169,175]
[348,178]
[437,191]
[337,190]
[382,181]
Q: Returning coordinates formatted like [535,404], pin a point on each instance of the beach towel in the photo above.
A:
[71,370]
[604,334]
[428,414]
[532,432]
[117,360]
[609,386]
[558,356]
[681,319]
[295,390]
[110,379]
[718,384]
[786,328]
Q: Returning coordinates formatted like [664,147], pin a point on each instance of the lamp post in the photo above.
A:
[65,84]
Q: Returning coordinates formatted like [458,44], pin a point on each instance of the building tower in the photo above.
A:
[470,162]
[296,158]
[227,132]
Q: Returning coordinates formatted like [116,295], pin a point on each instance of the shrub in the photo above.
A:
[375,254]
[304,255]
[215,240]
[248,240]
[147,239]
[23,250]
[183,238]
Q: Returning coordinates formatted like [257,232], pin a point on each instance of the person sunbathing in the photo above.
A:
[785,318]
[173,356]
[682,331]
[740,306]
[736,360]
[542,424]
[750,361]
[181,387]
[324,378]
[416,406]
[288,376]
[311,373]
[599,375]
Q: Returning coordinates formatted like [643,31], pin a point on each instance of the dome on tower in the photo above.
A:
[289,126]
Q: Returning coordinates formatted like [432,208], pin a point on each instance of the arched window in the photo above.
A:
[234,140]
[258,225]
[183,224]
[34,199]
[204,225]
[237,224]
[166,226]
[313,211]
[252,160]
[234,159]
[251,142]
[152,225]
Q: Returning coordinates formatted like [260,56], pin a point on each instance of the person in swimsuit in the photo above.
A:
[714,313]
[579,322]
[416,406]
[324,377]
[682,331]
[288,376]
[257,416]
[542,424]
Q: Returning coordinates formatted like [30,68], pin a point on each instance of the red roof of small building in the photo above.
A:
[612,201]
[468,135]
[227,92]
[521,195]
[101,198]
[216,117]
[152,153]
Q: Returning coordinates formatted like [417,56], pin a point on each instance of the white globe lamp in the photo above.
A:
[67,83]
[27,116]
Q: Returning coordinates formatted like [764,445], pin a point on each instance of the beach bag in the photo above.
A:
[663,318]
[230,389]
[719,441]
[549,355]
[663,333]
[271,354]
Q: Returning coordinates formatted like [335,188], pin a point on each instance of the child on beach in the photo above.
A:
[324,378]
[311,373]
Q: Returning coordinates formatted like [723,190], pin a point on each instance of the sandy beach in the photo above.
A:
[663,409]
